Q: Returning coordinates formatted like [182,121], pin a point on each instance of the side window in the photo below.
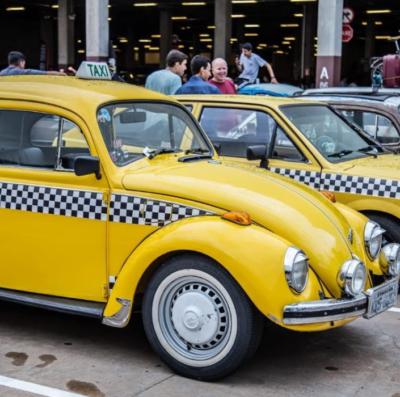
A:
[234,129]
[284,149]
[377,126]
[30,139]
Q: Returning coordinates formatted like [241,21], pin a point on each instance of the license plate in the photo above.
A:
[381,298]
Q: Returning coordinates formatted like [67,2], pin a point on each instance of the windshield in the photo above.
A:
[335,138]
[128,129]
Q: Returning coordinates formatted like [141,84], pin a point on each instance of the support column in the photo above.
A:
[223,29]
[330,14]
[166,36]
[97,30]
[66,34]
[309,28]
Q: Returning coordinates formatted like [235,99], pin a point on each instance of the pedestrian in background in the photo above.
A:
[249,64]
[197,84]
[219,70]
[169,80]
[16,66]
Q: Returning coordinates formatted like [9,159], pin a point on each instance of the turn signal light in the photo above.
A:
[329,195]
[241,218]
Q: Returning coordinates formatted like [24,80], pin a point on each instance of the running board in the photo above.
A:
[64,305]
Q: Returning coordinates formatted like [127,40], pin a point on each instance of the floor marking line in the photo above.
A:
[395,309]
[37,389]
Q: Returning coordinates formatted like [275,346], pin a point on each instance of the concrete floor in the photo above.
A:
[82,356]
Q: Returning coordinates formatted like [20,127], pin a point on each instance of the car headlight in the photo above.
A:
[296,269]
[373,239]
[389,259]
[352,277]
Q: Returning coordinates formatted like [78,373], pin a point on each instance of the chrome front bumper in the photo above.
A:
[330,309]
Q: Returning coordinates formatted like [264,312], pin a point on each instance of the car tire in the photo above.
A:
[392,227]
[198,319]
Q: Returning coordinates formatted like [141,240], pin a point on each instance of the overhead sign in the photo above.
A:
[347,33]
[94,70]
[348,15]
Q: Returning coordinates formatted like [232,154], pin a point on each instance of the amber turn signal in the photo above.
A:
[329,195]
[241,218]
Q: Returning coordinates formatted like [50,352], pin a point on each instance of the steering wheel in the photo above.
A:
[325,144]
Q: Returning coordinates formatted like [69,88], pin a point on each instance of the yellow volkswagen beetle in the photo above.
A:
[111,197]
[310,142]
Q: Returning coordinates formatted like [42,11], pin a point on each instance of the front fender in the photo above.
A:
[253,256]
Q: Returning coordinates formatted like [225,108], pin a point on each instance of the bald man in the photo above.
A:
[219,70]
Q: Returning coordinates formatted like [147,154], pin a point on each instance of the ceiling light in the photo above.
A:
[302,1]
[244,1]
[315,38]
[260,48]
[144,41]
[81,51]
[364,23]
[181,46]
[274,46]
[290,25]
[285,42]
[289,38]
[251,26]
[251,34]
[378,23]
[109,6]
[109,19]
[177,18]
[115,46]
[204,40]
[183,28]
[378,11]
[298,15]
[15,9]
[191,48]
[79,41]
[136,48]
[154,48]
[155,36]
[188,27]
[233,39]
[194,4]
[211,27]
[382,37]
[55,6]
[209,46]
[238,16]
[278,52]
[204,35]
[262,45]
[147,46]
[123,41]
[144,4]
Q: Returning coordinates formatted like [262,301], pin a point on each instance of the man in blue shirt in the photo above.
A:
[249,64]
[201,72]
[16,66]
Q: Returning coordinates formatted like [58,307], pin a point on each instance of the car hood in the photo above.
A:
[381,167]
[288,208]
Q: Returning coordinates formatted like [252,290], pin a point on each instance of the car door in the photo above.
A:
[234,128]
[53,223]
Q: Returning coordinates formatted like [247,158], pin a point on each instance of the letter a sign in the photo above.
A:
[324,74]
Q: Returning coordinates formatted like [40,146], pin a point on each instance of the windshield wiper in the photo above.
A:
[198,150]
[341,154]
[151,154]
[367,149]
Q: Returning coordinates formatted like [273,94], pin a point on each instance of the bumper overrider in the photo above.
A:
[355,303]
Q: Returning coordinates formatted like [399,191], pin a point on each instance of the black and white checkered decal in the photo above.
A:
[344,183]
[54,201]
[143,211]
[111,282]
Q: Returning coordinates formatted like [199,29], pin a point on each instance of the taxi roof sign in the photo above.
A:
[94,70]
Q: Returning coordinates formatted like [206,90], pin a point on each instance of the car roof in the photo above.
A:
[352,90]
[273,102]
[78,95]
[384,100]
[279,88]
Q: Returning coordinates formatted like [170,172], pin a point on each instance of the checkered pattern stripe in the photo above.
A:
[360,185]
[111,282]
[344,183]
[308,177]
[54,201]
[142,211]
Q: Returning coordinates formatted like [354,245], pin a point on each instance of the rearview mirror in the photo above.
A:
[133,117]
[86,165]
[259,152]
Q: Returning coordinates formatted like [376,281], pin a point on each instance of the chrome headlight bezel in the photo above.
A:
[389,260]
[294,258]
[373,235]
[347,276]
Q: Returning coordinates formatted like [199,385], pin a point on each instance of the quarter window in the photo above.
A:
[30,139]
[284,149]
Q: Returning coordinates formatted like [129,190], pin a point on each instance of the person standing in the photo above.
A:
[197,84]
[169,80]
[249,64]
[16,67]
[219,69]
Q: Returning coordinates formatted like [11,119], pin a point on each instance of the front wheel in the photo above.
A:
[392,227]
[198,319]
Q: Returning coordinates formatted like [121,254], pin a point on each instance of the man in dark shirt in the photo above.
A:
[16,67]
[201,72]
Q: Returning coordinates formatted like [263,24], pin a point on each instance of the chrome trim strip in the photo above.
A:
[65,305]
[121,317]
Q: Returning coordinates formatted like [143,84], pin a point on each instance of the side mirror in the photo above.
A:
[86,165]
[259,152]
